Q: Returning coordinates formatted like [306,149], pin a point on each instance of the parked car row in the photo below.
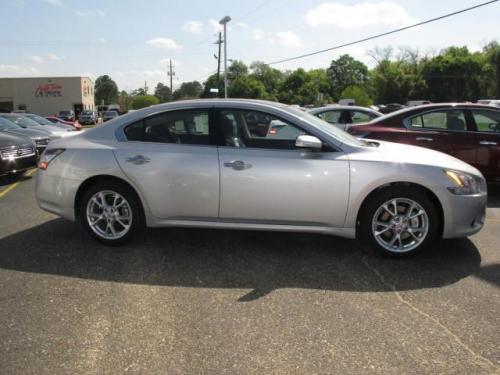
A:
[23,138]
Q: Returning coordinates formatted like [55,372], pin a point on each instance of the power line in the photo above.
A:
[384,34]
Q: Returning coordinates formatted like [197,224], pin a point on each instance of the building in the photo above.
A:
[46,95]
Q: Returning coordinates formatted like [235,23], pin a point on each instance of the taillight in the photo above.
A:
[47,157]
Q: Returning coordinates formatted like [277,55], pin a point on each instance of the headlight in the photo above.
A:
[47,156]
[464,183]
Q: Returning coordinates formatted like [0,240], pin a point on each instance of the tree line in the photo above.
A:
[454,74]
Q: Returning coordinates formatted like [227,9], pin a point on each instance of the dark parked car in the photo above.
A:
[87,118]
[109,115]
[39,137]
[17,153]
[470,132]
[67,115]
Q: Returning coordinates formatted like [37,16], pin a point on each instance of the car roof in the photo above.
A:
[341,108]
[430,107]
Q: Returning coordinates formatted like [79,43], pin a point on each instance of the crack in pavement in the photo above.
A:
[480,360]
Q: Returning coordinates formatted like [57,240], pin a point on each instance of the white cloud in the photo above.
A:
[52,56]
[163,43]
[193,27]
[37,59]
[288,39]
[360,15]
[283,38]
[215,25]
[18,70]
[54,2]
[243,25]
[91,13]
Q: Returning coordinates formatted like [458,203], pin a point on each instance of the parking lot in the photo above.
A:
[212,301]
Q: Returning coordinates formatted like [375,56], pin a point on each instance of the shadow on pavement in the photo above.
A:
[260,261]
[12,178]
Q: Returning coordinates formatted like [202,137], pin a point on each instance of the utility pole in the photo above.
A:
[171,74]
[219,42]
[224,22]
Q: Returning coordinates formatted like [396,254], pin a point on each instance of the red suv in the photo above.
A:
[470,132]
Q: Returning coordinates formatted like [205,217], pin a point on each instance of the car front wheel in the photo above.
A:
[111,213]
[399,222]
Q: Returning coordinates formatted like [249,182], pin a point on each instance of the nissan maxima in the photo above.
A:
[197,164]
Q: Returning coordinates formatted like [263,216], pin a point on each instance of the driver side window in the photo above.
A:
[252,129]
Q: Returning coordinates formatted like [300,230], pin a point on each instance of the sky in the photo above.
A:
[133,40]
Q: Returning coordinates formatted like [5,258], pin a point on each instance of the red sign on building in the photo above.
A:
[49,90]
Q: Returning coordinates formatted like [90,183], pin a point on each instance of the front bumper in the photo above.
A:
[464,215]
[17,165]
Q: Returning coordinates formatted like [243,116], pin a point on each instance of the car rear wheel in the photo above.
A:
[399,222]
[111,213]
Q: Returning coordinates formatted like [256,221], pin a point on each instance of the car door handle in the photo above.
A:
[424,139]
[237,165]
[138,159]
[488,143]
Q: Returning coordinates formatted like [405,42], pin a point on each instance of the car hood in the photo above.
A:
[32,133]
[9,139]
[402,153]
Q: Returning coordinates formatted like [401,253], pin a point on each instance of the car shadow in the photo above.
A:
[13,178]
[259,261]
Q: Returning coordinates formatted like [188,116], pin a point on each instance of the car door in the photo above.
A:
[445,130]
[487,125]
[268,180]
[171,158]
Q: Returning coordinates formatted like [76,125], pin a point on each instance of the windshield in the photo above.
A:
[7,125]
[87,113]
[324,126]
[110,114]
[64,113]
[40,120]
[22,121]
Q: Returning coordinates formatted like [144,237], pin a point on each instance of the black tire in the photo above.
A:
[370,208]
[137,225]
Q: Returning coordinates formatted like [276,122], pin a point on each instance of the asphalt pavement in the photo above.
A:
[191,301]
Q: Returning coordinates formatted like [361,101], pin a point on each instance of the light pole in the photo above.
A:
[224,22]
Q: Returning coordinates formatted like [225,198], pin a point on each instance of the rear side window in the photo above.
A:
[440,120]
[182,127]
[358,117]
[333,117]
[487,121]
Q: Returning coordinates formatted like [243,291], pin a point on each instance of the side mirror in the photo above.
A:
[308,141]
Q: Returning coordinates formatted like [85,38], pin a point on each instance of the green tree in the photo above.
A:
[304,88]
[162,92]
[105,90]
[455,75]
[188,90]
[123,100]
[358,94]
[237,69]
[143,101]
[346,71]
[247,87]
[492,70]
[271,78]
[213,82]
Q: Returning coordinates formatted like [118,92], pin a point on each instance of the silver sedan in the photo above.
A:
[244,164]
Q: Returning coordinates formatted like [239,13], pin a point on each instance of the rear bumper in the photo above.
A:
[464,215]
[56,195]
